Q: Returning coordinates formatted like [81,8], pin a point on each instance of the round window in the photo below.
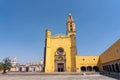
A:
[60,50]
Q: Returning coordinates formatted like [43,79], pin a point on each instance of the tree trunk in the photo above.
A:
[4,71]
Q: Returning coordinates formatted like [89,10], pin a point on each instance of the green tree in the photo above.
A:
[6,64]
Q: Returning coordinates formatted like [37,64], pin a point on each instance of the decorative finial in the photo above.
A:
[70,14]
[70,17]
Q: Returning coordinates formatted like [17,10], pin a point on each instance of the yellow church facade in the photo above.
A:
[60,53]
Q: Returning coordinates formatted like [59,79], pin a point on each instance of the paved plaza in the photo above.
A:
[54,77]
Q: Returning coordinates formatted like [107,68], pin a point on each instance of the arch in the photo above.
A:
[95,68]
[33,69]
[110,68]
[20,69]
[71,28]
[117,68]
[103,68]
[27,69]
[83,68]
[89,68]
[113,68]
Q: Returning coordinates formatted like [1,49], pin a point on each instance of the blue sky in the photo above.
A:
[23,24]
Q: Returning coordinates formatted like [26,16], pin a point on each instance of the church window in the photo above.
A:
[94,59]
[60,50]
[83,59]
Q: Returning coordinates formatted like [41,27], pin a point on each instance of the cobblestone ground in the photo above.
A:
[55,77]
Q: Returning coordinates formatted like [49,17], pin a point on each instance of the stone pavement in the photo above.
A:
[65,76]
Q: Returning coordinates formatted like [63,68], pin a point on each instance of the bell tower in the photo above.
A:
[71,32]
[70,26]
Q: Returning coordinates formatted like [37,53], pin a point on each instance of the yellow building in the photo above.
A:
[60,53]
[110,59]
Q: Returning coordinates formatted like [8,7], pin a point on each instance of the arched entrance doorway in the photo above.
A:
[20,69]
[60,67]
[89,68]
[27,69]
[83,68]
[95,68]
